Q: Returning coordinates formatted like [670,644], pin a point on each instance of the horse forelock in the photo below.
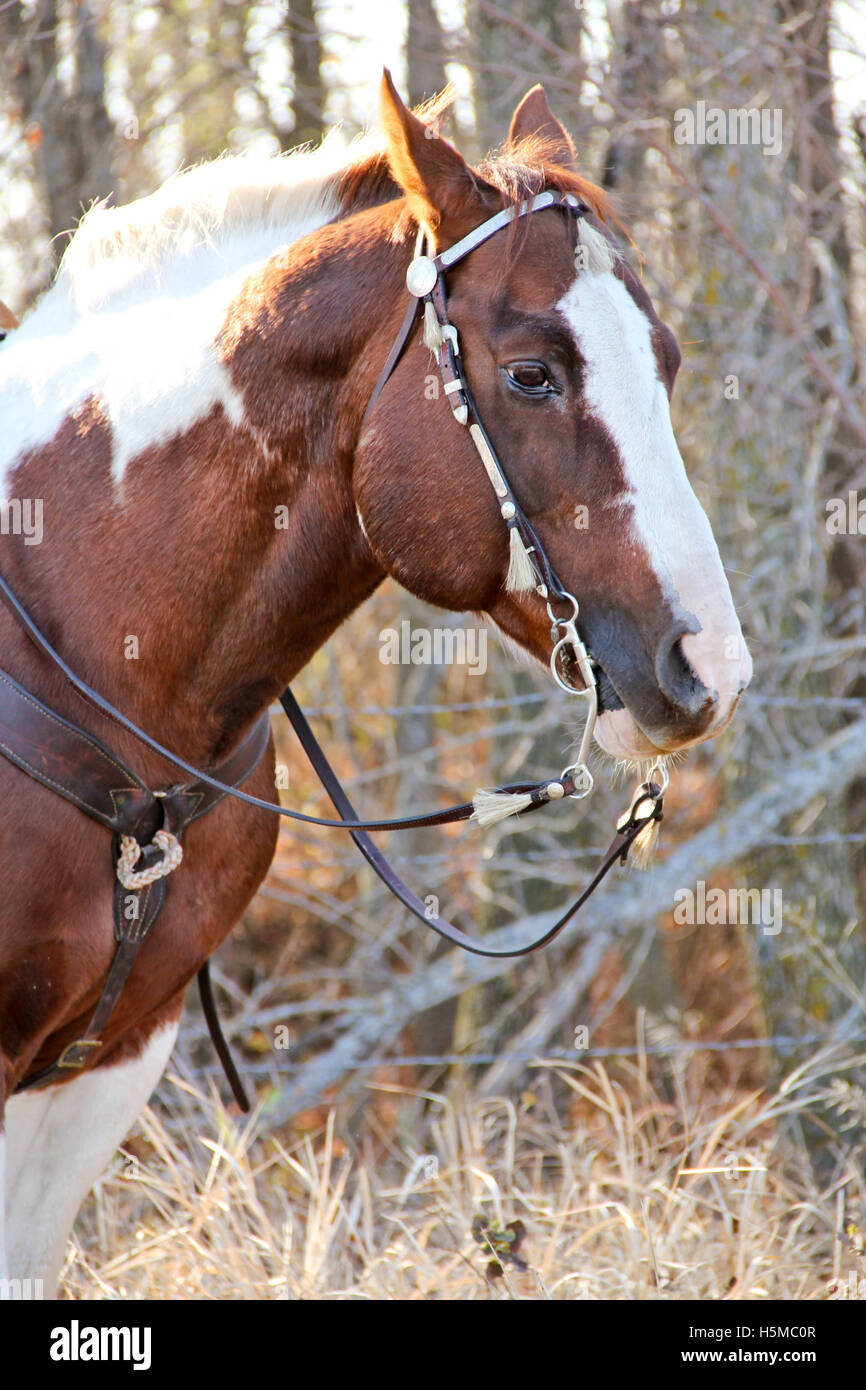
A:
[532,166]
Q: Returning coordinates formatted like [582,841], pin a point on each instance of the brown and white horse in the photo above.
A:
[201,366]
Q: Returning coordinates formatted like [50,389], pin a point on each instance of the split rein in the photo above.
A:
[645,811]
[35,736]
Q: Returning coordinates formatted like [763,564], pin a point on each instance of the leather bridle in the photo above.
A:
[31,733]
[425,281]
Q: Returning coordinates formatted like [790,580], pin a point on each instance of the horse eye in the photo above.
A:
[530,377]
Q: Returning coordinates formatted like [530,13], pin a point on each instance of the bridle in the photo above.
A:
[425,281]
[27,725]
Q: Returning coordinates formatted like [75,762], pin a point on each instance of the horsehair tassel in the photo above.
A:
[492,807]
[643,846]
[433,335]
[521,575]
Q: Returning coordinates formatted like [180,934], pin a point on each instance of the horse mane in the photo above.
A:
[521,171]
[518,172]
[532,166]
[243,208]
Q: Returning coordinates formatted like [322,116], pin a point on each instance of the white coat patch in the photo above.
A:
[140,298]
[58,1142]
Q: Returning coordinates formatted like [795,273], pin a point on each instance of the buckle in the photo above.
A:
[67,1063]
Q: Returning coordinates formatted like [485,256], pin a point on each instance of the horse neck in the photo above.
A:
[234,551]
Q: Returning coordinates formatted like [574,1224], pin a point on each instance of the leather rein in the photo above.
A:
[148,825]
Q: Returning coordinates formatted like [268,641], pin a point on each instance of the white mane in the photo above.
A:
[134,316]
[141,297]
[239,208]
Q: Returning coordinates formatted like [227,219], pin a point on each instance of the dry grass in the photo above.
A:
[624,1194]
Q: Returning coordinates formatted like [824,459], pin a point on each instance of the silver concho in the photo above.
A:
[421,276]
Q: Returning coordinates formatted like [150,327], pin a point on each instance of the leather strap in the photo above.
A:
[69,761]
[445,817]
[397,349]
[450,257]
[485,230]
[82,770]
[132,925]
[221,1047]
[627,833]
[466,412]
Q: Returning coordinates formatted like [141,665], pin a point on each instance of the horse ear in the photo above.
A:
[444,193]
[534,120]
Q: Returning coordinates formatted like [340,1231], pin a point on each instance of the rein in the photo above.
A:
[538,792]
[147,824]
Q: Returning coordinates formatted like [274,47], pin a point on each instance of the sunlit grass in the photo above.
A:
[623,1195]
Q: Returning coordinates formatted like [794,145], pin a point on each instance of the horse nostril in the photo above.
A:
[678,681]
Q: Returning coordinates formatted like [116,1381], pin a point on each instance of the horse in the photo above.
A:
[192,408]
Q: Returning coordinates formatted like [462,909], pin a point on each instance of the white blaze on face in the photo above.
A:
[624,392]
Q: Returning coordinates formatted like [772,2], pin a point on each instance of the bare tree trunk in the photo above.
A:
[309,88]
[639,70]
[821,173]
[518,43]
[67,124]
[425,51]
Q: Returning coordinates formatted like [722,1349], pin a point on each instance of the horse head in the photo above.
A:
[572,372]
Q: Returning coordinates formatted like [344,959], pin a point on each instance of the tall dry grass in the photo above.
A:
[624,1193]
